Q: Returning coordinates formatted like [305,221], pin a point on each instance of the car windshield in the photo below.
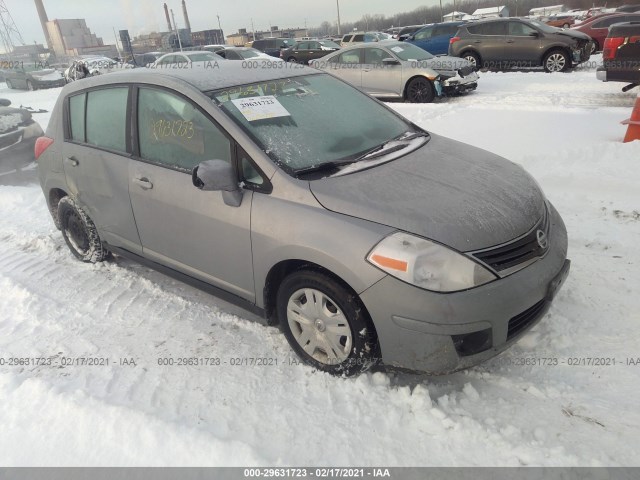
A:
[203,57]
[303,122]
[543,26]
[408,51]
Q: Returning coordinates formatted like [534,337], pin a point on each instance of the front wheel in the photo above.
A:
[80,232]
[556,61]
[420,90]
[325,324]
[292,60]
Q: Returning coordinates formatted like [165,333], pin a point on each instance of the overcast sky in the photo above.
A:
[143,16]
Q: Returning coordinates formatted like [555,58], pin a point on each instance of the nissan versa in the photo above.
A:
[365,241]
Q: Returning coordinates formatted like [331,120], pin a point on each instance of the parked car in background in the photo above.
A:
[366,241]
[213,48]
[184,59]
[394,69]
[561,20]
[598,28]
[621,55]
[406,32]
[363,37]
[272,46]
[18,135]
[302,52]
[33,78]
[512,42]
[145,59]
[629,8]
[435,38]
[243,53]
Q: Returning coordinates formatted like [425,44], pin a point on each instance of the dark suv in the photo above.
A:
[621,55]
[513,42]
[272,46]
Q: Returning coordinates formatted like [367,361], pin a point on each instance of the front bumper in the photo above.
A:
[458,84]
[441,333]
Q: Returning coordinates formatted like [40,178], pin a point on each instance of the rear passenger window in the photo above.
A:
[492,28]
[173,132]
[358,38]
[107,118]
[76,117]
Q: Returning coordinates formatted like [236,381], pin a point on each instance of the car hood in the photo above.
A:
[447,191]
[12,118]
[573,34]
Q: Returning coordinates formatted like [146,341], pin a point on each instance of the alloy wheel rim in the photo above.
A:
[556,62]
[471,59]
[319,326]
[418,92]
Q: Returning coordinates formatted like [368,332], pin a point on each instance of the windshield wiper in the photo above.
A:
[380,150]
[322,167]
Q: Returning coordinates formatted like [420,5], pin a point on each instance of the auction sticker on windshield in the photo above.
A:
[259,108]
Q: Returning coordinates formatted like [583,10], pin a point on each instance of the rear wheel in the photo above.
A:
[325,324]
[566,25]
[420,90]
[472,58]
[556,61]
[79,232]
[595,47]
[292,60]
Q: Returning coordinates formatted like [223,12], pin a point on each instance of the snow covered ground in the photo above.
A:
[511,411]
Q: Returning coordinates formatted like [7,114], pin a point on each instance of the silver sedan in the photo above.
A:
[394,69]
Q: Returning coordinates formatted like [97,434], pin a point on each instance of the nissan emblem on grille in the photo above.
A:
[542,239]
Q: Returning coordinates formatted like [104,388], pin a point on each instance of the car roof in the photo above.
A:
[224,74]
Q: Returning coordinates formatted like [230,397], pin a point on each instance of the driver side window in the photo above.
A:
[173,132]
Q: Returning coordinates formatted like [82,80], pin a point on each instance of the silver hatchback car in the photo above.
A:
[365,241]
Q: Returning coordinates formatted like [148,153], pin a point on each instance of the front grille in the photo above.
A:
[521,321]
[519,252]
[464,71]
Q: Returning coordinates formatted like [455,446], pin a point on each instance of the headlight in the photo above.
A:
[426,264]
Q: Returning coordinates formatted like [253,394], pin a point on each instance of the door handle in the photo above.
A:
[143,183]
[477,41]
[366,70]
[71,161]
[510,41]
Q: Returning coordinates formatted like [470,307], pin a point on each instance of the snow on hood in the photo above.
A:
[11,118]
[447,191]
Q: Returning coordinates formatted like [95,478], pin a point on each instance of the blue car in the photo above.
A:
[435,38]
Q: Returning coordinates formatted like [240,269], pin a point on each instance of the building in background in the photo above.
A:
[208,37]
[453,16]
[243,37]
[72,37]
[490,12]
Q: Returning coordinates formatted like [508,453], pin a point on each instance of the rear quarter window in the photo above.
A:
[107,118]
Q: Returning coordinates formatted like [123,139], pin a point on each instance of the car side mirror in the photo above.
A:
[218,175]
[390,61]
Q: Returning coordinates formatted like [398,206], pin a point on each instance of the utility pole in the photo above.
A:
[441,13]
[253,31]
[338,5]
[8,30]
[175,26]
[221,41]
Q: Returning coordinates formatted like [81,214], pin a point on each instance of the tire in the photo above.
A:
[595,47]
[30,86]
[556,61]
[79,232]
[473,59]
[292,60]
[420,90]
[566,25]
[9,84]
[307,324]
